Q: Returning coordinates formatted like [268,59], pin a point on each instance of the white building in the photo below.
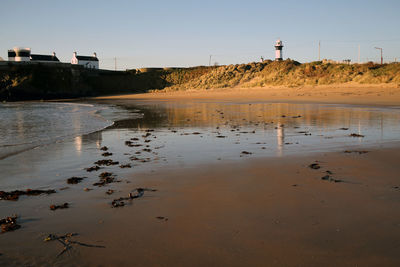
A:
[19,54]
[91,62]
[278,50]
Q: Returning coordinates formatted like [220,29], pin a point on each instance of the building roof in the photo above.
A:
[87,58]
[36,57]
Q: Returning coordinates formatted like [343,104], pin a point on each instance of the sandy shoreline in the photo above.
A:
[264,211]
[275,212]
[384,95]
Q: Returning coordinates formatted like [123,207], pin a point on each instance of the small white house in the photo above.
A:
[91,62]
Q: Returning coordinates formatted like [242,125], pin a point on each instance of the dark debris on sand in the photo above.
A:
[62,206]
[136,193]
[109,192]
[146,135]
[9,224]
[105,178]
[75,180]
[314,166]
[106,162]
[356,151]
[134,158]
[93,168]
[131,144]
[125,166]
[14,195]
[330,179]
[162,218]
[356,135]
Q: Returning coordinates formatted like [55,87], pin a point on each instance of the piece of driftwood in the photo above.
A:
[67,243]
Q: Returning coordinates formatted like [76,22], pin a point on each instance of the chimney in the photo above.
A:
[54,54]
[94,54]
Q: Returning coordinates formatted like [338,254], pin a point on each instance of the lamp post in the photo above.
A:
[381,53]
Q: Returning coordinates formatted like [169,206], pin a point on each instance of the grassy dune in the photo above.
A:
[284,73]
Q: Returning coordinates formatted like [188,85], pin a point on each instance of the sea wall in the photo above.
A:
[51,81]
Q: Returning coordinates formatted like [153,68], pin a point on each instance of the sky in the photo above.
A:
[135,34]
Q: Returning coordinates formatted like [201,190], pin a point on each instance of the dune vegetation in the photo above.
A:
[283,73]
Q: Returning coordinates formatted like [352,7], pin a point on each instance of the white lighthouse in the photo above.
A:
[278,49]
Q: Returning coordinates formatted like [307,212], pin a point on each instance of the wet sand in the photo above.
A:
[262,212]
[275,212]
[382,94]
[255,211]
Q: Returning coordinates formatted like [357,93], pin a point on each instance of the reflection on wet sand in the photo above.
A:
[78,145]
[201,132]
[322,120]
[91,138]
[280,134]
[176,114]
[88,140]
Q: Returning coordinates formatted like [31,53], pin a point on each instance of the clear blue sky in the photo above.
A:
[184,33]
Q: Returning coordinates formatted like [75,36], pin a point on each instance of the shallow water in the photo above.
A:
[189,133]
[25,125]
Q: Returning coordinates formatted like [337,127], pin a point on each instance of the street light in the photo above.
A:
[381,53]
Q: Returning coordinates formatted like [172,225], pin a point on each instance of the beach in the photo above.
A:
[256,214]
[200,134]
[261,177]
[348,93]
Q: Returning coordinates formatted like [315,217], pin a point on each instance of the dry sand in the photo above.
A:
[384,94]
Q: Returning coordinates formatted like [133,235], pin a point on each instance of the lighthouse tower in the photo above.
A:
[278,49]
